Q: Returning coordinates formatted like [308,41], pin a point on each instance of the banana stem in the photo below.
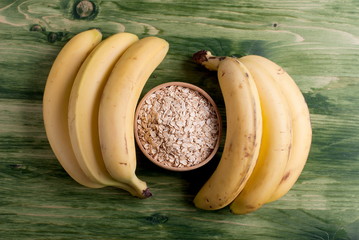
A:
[206,59]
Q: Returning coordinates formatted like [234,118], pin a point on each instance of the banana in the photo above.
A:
[56,97]
[275,146]
[84,107]
[302,131]
[244,131]
[117,108]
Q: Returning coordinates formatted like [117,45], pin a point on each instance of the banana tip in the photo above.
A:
[95,28]
[146,193]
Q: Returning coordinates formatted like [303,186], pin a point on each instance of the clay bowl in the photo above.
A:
[159,138]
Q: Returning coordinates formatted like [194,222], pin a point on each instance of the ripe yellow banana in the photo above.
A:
[302,131]
[56,97]
[275,146]
[244,132]
[84,107]
[117,108]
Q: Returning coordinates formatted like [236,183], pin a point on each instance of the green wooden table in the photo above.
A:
[317,42]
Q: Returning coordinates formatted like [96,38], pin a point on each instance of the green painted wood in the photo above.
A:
[317,42]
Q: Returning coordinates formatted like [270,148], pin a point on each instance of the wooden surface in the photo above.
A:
[317,42]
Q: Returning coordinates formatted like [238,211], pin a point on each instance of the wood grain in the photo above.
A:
[317,42]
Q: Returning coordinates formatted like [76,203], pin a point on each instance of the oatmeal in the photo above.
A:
[177,126]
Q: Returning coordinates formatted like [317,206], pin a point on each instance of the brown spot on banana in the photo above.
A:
[289,150]
[230,147]
[126,147]
[285,177]
[280,71]
[250,207]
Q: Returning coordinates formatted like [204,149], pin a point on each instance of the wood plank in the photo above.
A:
[315,41]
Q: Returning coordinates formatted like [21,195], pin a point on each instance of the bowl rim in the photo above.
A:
[206,96]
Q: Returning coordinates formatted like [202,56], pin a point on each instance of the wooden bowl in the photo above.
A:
[155,128]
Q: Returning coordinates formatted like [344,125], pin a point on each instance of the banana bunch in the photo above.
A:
[268,134]
[89,103]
